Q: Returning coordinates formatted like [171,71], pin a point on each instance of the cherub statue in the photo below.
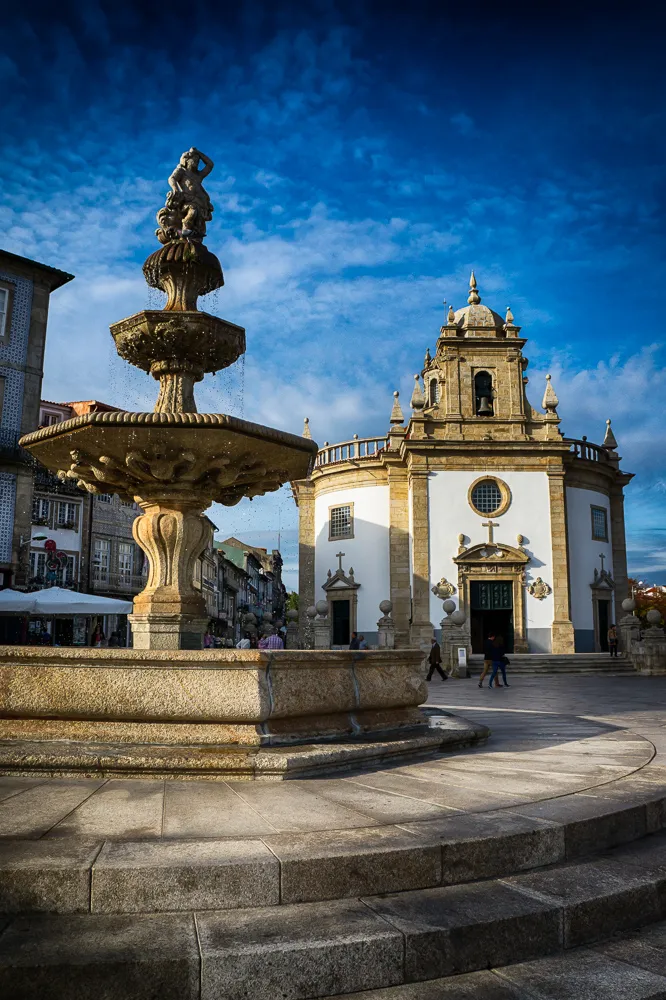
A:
[188,207]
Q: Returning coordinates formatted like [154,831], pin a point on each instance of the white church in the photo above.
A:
[476,497]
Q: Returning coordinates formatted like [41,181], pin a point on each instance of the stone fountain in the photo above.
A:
[175,461]
[168,707]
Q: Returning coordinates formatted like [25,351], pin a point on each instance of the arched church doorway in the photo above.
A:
[491,612]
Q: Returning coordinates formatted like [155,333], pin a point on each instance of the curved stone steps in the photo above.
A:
[322,949]
[71,875]
[628,967]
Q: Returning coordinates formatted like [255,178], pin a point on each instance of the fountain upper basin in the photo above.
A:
[207,456]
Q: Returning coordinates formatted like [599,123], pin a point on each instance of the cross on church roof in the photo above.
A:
[339,556]
[490,525]
[602,557]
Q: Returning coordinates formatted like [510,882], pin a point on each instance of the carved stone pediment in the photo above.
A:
[602,580]
[340,581]
[486,555]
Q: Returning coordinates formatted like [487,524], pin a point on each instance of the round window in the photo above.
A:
[487,497]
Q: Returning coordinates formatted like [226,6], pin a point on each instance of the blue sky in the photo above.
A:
[367,156]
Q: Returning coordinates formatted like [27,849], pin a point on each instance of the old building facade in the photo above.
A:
[25,288]
[478,497]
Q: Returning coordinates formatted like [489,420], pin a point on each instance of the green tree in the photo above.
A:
[292,601]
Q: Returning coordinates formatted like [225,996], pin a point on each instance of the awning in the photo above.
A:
[59,601]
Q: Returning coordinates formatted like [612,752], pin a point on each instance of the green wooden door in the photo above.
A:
[494,595]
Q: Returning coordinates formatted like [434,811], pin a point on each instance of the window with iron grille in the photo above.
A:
[125,561]
[104,497]
[67,515]
[4,309]
[40,510]
[101,555]
[487,496]
[599,524]
[341,523]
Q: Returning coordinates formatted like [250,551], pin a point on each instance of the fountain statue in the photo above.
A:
[167,707]
[175,462]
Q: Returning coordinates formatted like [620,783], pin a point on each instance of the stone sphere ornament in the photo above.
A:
[311,612]
[449,606]
[458,617]
[322,608]
[292,615]
[629,605]
[386,607]
[654,617]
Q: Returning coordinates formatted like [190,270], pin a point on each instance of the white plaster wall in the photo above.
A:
[367,551]
[584,551]
[529,515]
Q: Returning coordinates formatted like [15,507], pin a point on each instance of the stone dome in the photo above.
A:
[475,314]
[478,315]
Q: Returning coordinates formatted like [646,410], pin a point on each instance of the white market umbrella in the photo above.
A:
[16,601]
[59,601]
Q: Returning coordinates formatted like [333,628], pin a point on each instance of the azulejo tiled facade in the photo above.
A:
[478,488]
[25,287]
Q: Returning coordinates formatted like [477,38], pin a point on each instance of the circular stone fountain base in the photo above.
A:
[216,714]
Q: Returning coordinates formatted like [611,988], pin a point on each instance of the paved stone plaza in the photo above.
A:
[537,855]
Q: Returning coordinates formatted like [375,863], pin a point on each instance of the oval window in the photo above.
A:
[487,496]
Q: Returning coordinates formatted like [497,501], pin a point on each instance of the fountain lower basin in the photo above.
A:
[226,713]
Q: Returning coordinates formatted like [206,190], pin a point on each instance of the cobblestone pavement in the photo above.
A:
[551,737]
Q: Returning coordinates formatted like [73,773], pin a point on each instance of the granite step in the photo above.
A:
[65,874]
[344,946]
[555,663]
[631,967]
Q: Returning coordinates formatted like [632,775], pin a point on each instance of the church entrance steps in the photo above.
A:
[556,663]
[342,946]
[67,874]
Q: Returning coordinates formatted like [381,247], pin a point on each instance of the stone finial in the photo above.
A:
[451,317]
[550,401]
[386,607]
[397,416]
[508,319]
[609,438]
[427,361]
[188,207]
[418,399]
[473,298]
[306,428]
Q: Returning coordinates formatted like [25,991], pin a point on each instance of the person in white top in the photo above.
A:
[244,643]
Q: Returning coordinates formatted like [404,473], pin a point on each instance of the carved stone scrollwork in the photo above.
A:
[443,589]
[174,471]
[539,589]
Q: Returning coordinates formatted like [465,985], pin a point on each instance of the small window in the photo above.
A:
[433,392]
[4,311]
[40,510]
[341,522]
[51,418]
[487,496]
[104,497]
[599,524]
[67,515]
[101,554]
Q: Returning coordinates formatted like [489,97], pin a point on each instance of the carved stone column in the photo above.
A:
[169,613]
[306,553]
[399,552]
[618,541]
[421,630]
[562,628]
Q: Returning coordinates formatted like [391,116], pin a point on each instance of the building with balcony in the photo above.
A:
[25,289]
[477,497]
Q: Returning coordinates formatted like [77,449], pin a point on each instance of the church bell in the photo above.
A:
[485,409]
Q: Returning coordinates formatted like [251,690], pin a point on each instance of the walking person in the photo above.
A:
[435,661]
[499,660]
[612,640]
[354,644]
[488,659]
[362,644]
